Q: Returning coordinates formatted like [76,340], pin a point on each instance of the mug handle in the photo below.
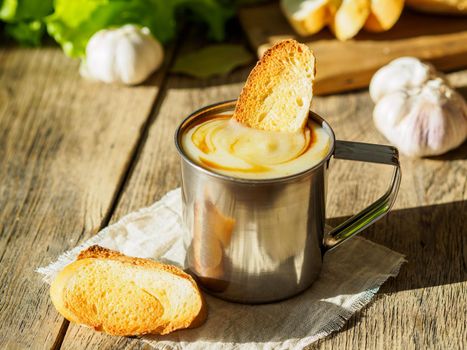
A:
[372,154]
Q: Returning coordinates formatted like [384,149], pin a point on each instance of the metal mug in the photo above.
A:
[257,241]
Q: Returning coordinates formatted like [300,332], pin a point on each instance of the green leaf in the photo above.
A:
[75,21]
[28,33]
[211,13]
[25,19]
[8,9]
[212,60]
[18,10]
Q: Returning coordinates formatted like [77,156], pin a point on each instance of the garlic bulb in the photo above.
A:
[402,73]
[426,120]
[127,55]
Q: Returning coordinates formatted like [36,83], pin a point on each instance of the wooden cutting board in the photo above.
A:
[343,66]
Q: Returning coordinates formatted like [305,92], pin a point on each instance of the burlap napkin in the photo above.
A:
[351,275]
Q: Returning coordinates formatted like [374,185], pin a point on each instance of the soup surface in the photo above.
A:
[225,146]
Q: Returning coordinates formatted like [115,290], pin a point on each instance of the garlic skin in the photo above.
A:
[402,73]
[125,55]
[423,121]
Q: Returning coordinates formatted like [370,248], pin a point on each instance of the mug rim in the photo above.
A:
[230,104]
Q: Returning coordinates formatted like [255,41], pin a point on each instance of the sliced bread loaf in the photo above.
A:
[348,17]
[120,295]
[384,14]
[306,16]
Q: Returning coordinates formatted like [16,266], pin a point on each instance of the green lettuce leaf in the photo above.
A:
[27,33]
[18,10]
[75,21]
[212,60]
[25,19]
[211,13]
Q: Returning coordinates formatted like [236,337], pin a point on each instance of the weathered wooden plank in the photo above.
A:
[157,171]
[423,307]
[65,145]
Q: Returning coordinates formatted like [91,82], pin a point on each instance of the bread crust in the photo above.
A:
[98,252]
[348,17]
[384,14]
[314,20]
[288,66]
[75,307]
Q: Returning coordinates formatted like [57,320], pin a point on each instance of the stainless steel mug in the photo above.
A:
[257,241]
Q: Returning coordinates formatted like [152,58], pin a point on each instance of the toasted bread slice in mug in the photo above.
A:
[277,94]
[121,295]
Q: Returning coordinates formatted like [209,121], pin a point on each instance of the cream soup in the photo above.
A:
[225,146]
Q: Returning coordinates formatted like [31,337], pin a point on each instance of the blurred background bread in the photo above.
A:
[306,16]
[344,17]
[383,15]
[348,17]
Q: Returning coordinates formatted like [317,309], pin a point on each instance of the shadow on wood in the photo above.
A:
[462,90]
[456,154]
[433,238]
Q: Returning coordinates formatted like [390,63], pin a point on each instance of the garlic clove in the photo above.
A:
[423,121]
[126,55]
[402,73]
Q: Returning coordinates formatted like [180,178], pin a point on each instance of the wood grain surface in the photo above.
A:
[424,307]
[65,145]
[348,65]
[61,178]
[157,169]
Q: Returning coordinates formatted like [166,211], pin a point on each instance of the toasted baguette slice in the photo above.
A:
[277,94]
[120,295]
[349,16]
[306,16]
[384,14]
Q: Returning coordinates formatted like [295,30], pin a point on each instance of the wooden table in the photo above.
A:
[76,156]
